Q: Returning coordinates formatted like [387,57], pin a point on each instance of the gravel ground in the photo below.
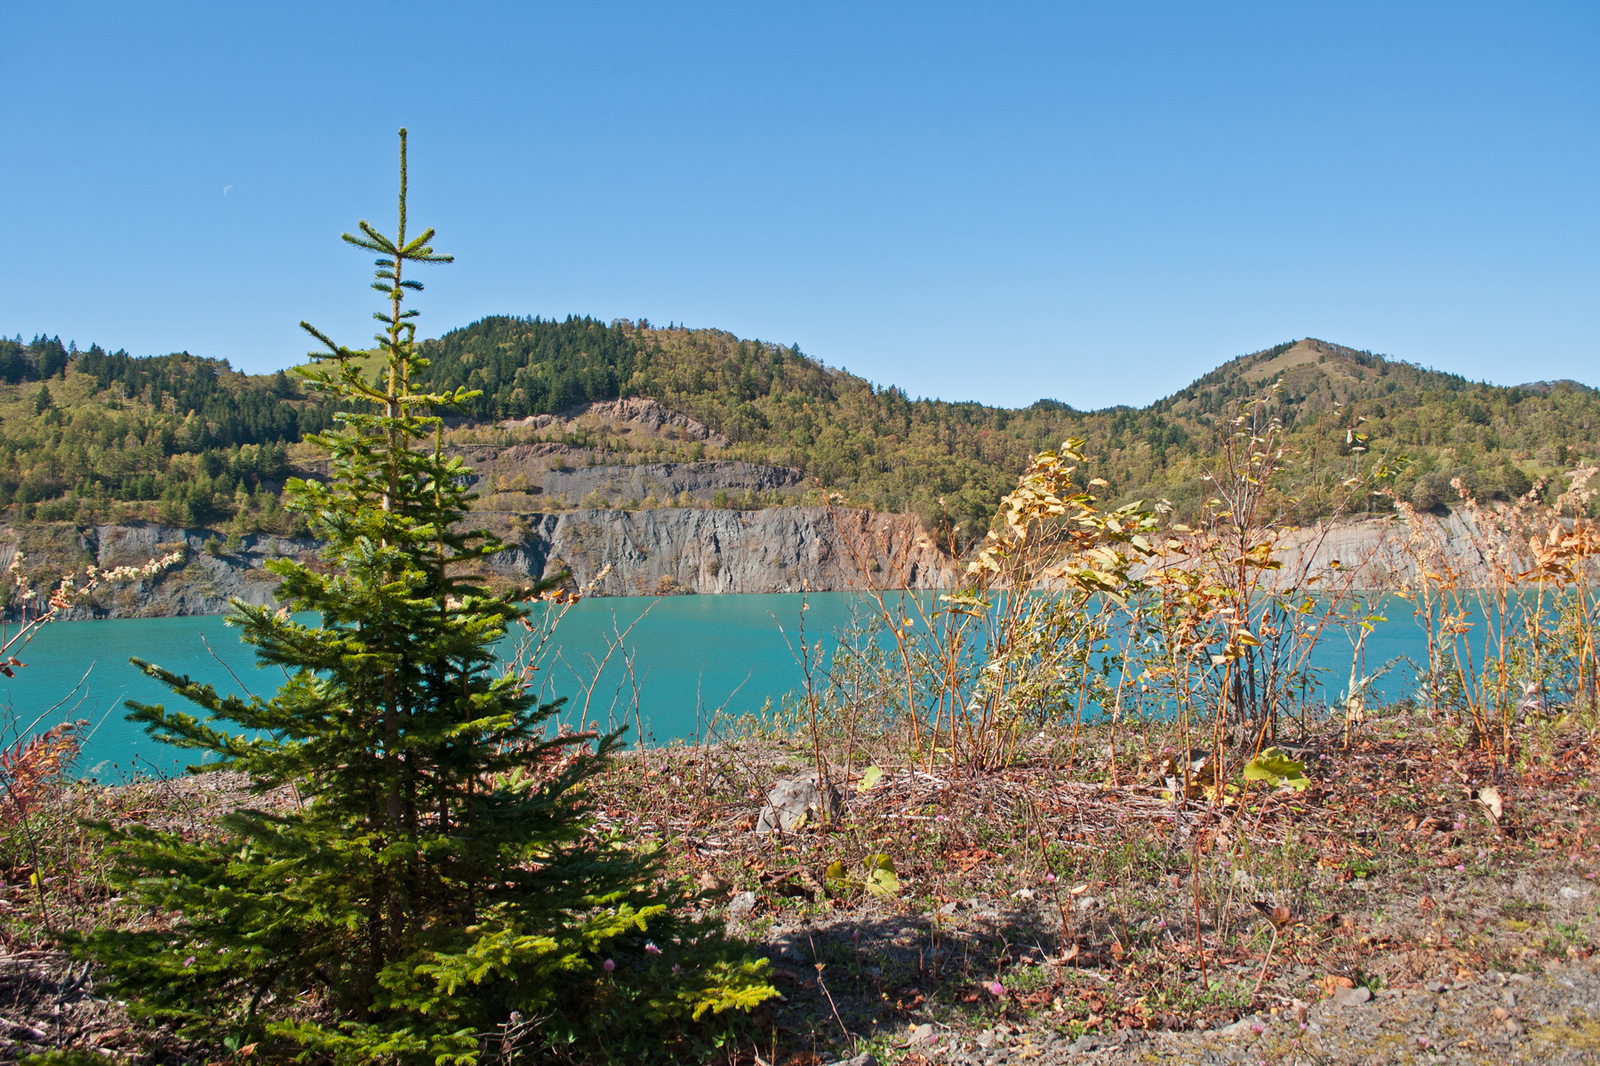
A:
[1493,1018]
[1045,915]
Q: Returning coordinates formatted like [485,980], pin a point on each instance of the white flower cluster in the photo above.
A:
[61,599]
[124,573]
[18,578]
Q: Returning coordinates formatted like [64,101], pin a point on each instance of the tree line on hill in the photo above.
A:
[951,461]
[179,438]
[191,441]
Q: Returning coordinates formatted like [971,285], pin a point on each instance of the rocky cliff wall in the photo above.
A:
[629,414]
[535,477]
[608,552]
[666,481]
[1374,554]
[203,584]
[779,549]
[1383,552]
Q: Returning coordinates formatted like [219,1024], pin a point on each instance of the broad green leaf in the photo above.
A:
[881,879]
[869,777]
[1275,767]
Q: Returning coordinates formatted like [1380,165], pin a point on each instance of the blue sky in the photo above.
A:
[1092,202]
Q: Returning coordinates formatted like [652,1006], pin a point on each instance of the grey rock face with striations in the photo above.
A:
[702,481]
[640,411]
[203,584]
[672,550]
[780,549]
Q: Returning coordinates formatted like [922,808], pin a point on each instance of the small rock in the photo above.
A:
[1513,1027]
[1568,892]
[985,1039]
[1088,903]
[1244,1027]
[1501,1014]
[794,800]
[1509,999]
[949,909]
[742,905]
[863,1059]
[922,1034]
[1436,986]
[1086,1042]
[1351,997]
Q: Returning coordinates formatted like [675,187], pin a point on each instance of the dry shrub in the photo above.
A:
[32,767]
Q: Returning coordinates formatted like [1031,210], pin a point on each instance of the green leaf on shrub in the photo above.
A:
[869,777]
[1275,767]
[881,879]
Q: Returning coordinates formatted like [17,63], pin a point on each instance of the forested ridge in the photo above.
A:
[94,435]
[950,461]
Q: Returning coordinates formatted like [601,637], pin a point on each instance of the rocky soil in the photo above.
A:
[1048,911]
[1045,914]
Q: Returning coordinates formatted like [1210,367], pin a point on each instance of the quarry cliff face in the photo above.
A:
[666,481]
[203,584]
[668,551]
[779,549]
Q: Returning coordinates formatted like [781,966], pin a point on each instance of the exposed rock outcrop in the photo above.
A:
[1382,552]
[666,481]
[624,415]
[780,549]
[203,584]
[671,551]
[514,477]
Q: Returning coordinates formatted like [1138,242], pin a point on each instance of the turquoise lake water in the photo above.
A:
[691,655]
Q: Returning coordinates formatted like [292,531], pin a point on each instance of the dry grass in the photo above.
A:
[1043,895]
[1094,906]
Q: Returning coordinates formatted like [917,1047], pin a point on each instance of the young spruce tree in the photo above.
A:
[439,884]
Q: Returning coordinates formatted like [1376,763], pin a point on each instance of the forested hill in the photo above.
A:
[87,435]
[881,448]
[93,435]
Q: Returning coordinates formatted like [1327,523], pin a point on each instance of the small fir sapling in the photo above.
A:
[438,877]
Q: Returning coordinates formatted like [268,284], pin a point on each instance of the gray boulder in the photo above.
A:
[795,800]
